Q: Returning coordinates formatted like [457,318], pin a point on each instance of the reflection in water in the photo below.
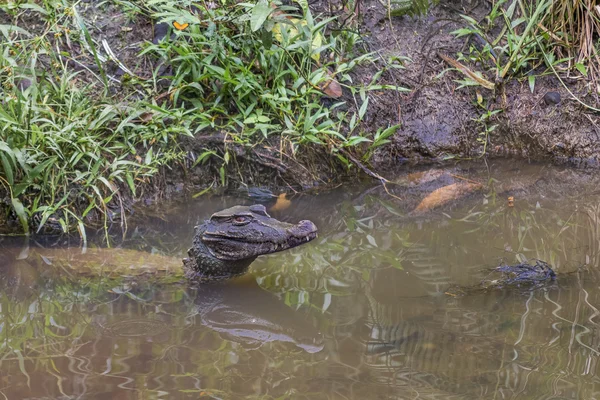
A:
[246,314]
[359,313]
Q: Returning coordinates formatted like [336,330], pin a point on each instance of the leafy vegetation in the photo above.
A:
[574,27]
[258,70]
[524,39]
[515,52]
[75,142]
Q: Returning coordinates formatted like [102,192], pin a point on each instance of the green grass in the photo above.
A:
[257,70]
[527,39]
[64,152]
[74,145]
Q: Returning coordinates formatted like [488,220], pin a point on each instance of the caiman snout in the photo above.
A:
[304,231]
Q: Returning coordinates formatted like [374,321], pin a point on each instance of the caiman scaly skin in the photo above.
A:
[225,245]
[510,276]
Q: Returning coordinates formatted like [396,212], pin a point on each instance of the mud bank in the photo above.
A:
[438,118]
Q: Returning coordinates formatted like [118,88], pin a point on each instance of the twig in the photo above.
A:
[367,171]
[363,167]
[464,179]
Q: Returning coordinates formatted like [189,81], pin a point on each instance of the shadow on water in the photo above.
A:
[362,312]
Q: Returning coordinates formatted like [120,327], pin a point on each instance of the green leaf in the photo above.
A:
[7,29]
[354,140]
[21,213]
[81,229]
[389,131]
[267,39]
[34,7]
[204,156]
[363,108]
[531,80]
[8,172]
[303,4]
[461,32]
[222,173]
[372,241]
[130,182]
[19,188]
[582,69]
[202,192]
[352,122]
[148,158]
[381,138]
[260,12]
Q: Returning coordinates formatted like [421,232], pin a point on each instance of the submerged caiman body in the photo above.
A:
[225,245]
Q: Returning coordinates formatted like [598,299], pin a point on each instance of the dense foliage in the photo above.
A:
[74,140]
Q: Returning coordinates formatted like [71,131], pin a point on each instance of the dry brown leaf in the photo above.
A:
[467,72]
[444,195]
[423,177]
[331,87]
[146,117]
[511,201]
[281,204]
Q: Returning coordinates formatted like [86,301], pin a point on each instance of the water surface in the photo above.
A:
[360,313]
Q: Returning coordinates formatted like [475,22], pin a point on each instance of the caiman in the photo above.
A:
[226,244]
[223,247]
[507,276]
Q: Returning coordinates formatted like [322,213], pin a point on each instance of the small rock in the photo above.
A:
[260,194]
[160,31]
[23,83]
[551,98]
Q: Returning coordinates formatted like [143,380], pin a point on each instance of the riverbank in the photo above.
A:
[550,119]
[159,116]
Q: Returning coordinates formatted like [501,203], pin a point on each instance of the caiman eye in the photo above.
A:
[240,220]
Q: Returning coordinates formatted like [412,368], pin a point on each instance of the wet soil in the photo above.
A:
[438,117]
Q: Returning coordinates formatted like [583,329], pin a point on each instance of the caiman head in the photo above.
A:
[231,239]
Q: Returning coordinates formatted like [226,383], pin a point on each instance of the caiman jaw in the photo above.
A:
[304,232]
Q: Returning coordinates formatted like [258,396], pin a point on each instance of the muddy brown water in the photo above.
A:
[360,313]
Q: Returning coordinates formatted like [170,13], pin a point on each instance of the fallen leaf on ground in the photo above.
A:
[331,87]
[444,195]
[467,72]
